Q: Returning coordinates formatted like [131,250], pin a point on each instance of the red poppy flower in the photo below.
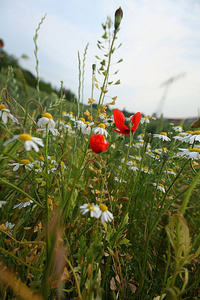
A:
[98,143]
[119,120]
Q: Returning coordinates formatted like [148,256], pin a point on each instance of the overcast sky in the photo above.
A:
[160,40]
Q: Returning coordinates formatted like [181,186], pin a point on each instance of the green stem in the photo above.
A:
[106,75]
[27,109]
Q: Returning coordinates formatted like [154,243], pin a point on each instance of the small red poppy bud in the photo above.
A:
[98,143]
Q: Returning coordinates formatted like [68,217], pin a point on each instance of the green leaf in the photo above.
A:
[124,242]
[117,82]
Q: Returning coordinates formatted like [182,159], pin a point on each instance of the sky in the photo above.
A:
[160,41]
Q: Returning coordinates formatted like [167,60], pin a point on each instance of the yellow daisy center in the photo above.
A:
[25,137]
[196,132]
[103,207]
[25,161]
[160,184]
[164,133]
[26,199]
[190,132]
[2,106]
[47,115]
[90,207]
[82,119]
[195,149]
[87,122]
[102,125]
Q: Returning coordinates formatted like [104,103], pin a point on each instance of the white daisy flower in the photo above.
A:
[145,120]
[181,137]
[28,141]
[106,216]
[119,180]
[177,128]
[23,162]
[136,157]
[192,137]
[141,137]
[132,166]
[2,203]
[87,128]
[193,153]
[100,129]
[139,144]
[170,171]
[80,123]
[113,146]
[146,170]
[65,114]
[94,210]
[23,204]
[159,187]
[163,136]
[5,114]
[102,116]
[47,120]
[9,226]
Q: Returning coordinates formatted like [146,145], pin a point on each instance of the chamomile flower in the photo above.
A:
[86,129]
[193,136]
[193,153]
[146,170]
[159,187]
[145,120]
[162,136]
[170,171]
[92,208]
[28,141]
[2,203]
[132,166]
[177,128]
[5,115]
[80,123]
[23,162]
[25,203]
[106,215]
[9,226]
[100,129]
[47,120]
[181,137]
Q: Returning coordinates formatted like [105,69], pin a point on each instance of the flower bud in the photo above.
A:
[118,18]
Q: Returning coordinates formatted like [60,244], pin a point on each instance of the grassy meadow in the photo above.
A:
[95,204]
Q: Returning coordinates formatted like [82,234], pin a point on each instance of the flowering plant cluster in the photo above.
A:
[95,203]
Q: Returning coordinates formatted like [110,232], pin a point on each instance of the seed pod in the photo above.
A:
[118,18]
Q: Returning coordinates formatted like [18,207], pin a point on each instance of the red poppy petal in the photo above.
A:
[119,120]
[135,120]
[125,132]
[98,143]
